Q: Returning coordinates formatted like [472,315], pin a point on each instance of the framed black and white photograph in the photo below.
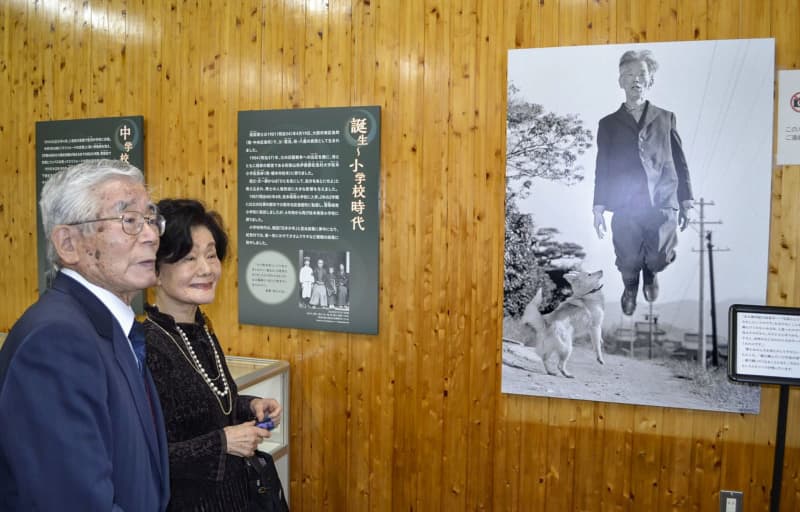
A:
[637,211]
[324,279]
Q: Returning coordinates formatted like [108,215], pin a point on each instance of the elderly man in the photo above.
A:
[641,176]
[80,423]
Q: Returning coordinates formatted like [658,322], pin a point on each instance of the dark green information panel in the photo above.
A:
[309,184]
[61,144]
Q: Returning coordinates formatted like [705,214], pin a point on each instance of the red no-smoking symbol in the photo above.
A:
[794,102]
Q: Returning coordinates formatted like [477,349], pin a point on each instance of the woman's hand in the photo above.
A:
[263,407]
[242,440]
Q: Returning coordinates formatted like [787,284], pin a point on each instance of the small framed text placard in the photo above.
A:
[764,344]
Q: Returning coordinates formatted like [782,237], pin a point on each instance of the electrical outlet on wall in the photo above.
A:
[731,501]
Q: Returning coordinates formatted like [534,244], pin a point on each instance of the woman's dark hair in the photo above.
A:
[182,215]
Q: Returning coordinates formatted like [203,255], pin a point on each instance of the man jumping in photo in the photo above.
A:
[642,177]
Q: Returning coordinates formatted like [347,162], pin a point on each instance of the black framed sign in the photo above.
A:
[64,143]
[309,218]
[764,344]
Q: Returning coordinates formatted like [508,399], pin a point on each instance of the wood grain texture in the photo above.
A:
[411,419]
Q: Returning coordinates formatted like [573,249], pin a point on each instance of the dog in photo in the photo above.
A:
[580,314]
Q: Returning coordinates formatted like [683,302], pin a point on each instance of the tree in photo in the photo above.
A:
[534,259]
[523,274]
[541,145]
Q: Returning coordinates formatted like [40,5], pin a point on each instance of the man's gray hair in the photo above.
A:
[68,195]
[645,56]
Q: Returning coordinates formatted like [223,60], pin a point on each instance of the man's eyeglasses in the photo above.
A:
[132,222]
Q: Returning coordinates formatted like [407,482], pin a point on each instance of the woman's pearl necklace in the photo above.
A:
[198,368]
[202,371]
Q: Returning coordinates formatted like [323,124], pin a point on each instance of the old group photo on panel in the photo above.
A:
[637,211]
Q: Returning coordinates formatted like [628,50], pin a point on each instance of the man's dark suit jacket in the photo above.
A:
[640,165]
[77,431]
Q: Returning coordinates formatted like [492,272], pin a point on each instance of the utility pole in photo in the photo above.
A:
[702,223]
[715,344]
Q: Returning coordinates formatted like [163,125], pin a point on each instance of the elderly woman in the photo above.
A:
[210,427]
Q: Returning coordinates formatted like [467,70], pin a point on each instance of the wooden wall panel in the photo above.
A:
[460,252]
[432,270]
[411,419]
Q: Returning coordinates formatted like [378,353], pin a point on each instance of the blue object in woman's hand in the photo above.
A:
[267,423]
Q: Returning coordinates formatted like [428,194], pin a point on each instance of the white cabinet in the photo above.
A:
[267,378]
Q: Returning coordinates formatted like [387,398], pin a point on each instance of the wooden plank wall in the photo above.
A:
[412,419]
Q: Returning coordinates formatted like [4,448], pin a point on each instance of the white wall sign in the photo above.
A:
[765,344]
[788,117]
